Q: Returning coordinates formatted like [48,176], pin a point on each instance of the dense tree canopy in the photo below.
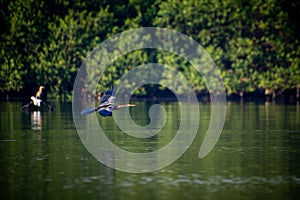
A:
[255,44]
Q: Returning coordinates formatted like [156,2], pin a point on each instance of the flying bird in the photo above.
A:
[107,105]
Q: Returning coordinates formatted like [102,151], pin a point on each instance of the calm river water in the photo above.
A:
[257,156]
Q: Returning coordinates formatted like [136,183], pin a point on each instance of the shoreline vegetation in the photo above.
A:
[288,97]
[254,44]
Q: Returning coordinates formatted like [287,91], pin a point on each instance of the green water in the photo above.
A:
[257,156]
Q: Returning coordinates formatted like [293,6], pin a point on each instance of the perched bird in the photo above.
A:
[107,105]
[37,101]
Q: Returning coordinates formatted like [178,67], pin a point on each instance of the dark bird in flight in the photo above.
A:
[107,105]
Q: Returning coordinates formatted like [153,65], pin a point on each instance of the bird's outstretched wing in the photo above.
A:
[90,110]
[106,96]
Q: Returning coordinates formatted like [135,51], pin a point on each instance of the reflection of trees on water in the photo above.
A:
[36,120]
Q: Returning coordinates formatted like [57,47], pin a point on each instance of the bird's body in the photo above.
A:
[109,100]
[37,102]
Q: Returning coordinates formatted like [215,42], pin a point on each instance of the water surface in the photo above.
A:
[256,157]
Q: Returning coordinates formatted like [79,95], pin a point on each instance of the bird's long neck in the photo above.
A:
[39,92]
[123,106]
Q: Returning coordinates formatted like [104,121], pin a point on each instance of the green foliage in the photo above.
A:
[255,44]
[249,41]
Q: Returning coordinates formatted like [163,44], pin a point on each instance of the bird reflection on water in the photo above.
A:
[36,120]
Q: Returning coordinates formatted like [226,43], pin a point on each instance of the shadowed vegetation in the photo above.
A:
[255,44]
